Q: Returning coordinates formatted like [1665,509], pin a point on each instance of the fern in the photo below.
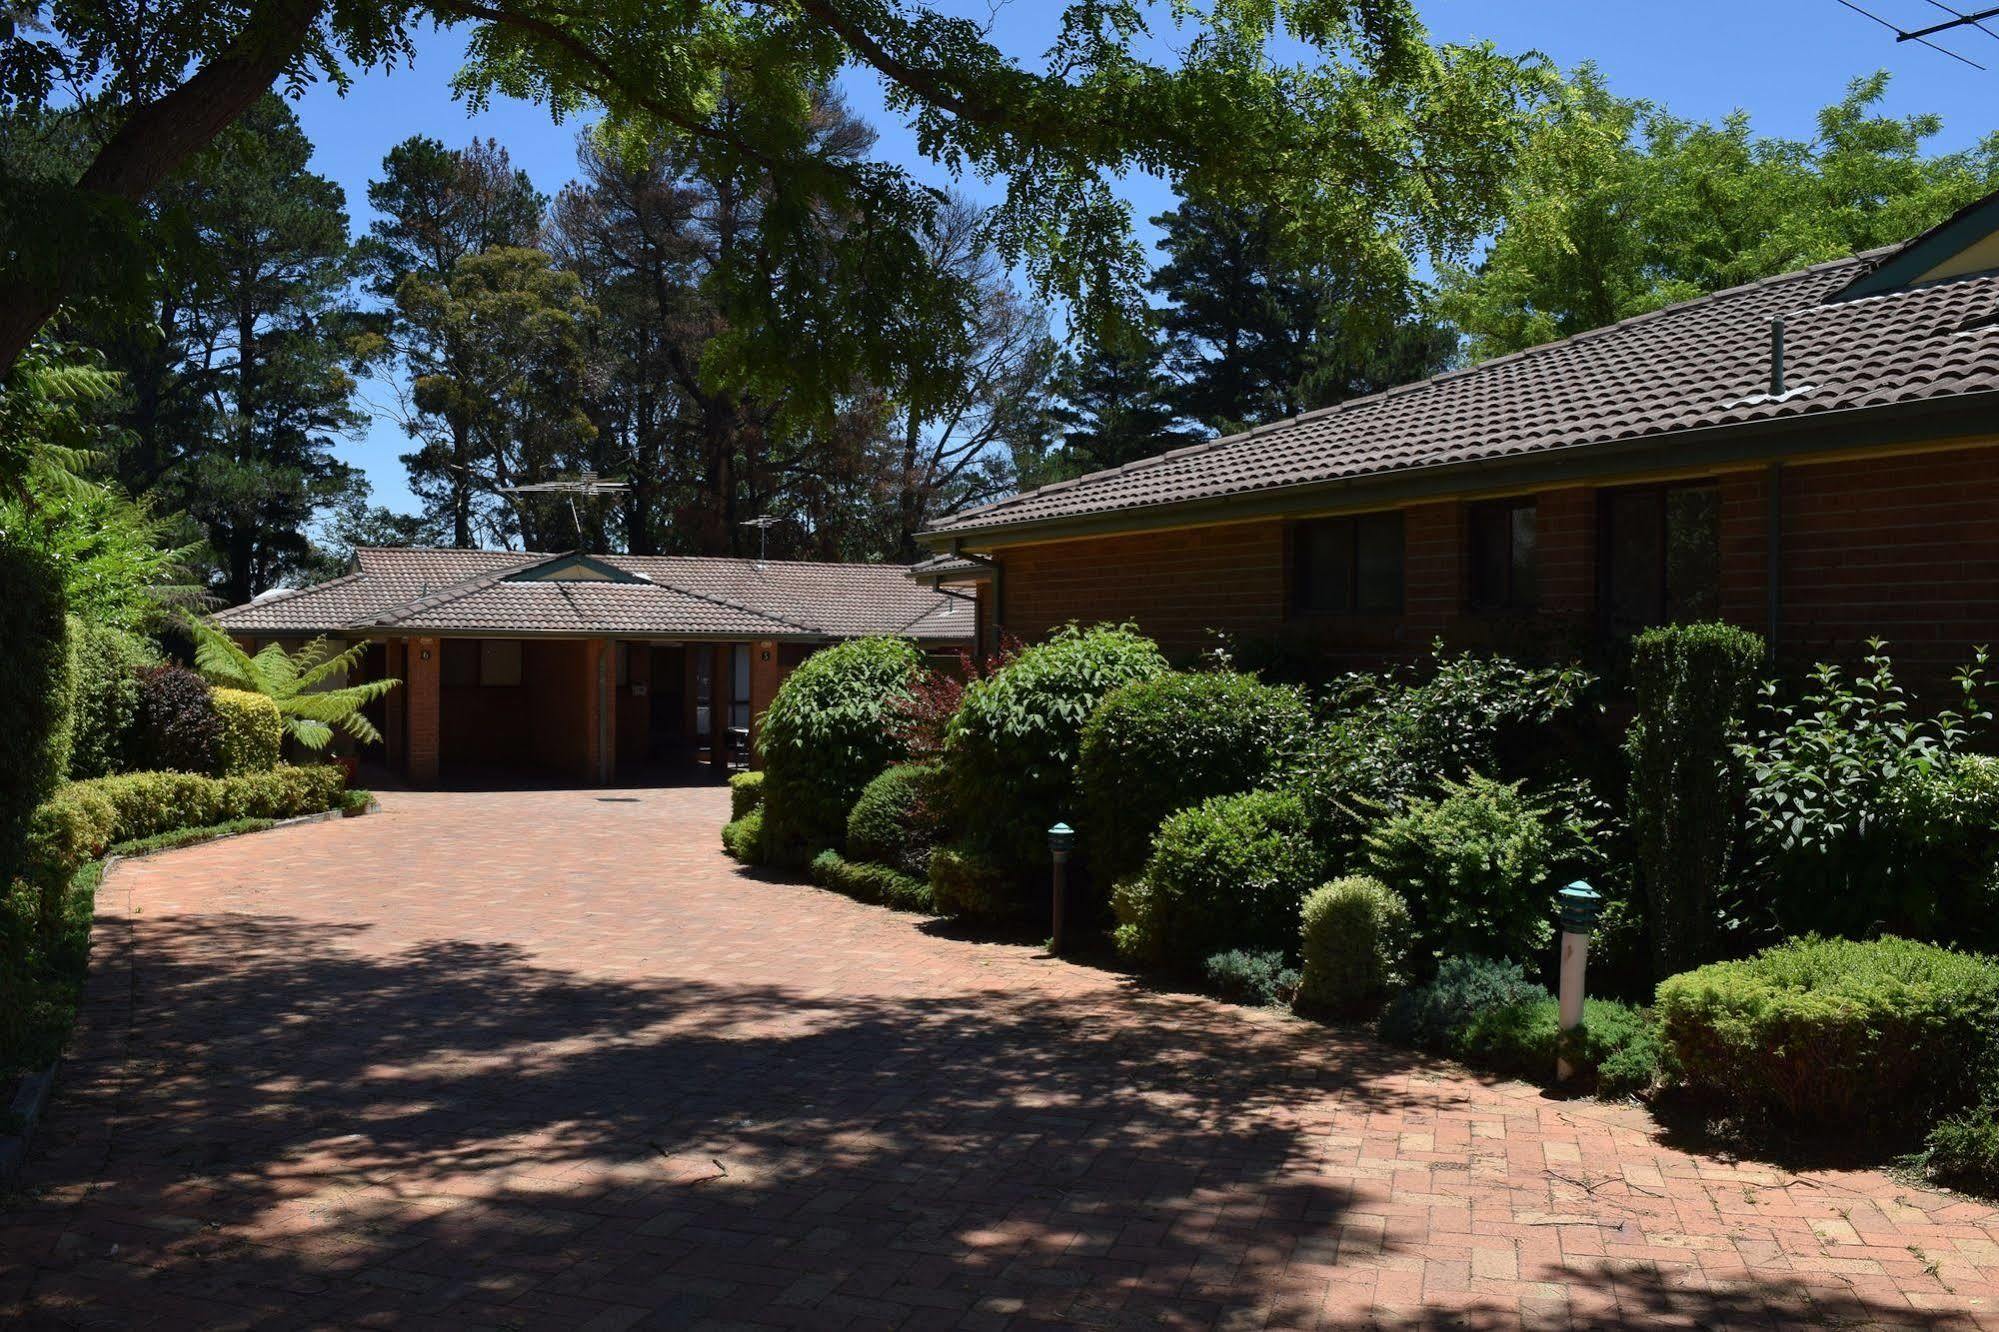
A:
[297,682]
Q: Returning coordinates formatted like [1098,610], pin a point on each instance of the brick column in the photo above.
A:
[1433,564]
[765,676]
[425,698]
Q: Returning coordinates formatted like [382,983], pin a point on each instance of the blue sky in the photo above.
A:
[1780,60]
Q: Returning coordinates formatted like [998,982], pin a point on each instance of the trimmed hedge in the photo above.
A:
[743,838]
[1230,873]
[35,695]
[746,792]
[107,696]
[1010,753]
[177,728]
[827,733]
[1615,1046]
[1155,747]
[869,882]
[252,731]
[1815,1033]
[897,821]
[1354,932]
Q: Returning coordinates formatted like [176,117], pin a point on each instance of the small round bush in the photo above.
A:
[177,728]
[1353,933]
[1162,745]
[746,792]
[1814,1033]
[107,696]
[897,819]
[1010,753]
[826,734]
[252,731]
[1229,873]
[35,694]
[744,838]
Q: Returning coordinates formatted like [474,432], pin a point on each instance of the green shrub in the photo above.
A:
[1817,1032]
[42,970]
[1353,934]
[252,732]
[1692,684]
[1615,1047]
[826,734]
[964,883]
[1476,867]
[355,802]
[1158,746]
[744,838]
[35,695]
[897,821]
[177,728]
[746,792]
[1962,1152]
[1010,753]
[1429,1016]
[1229,873]
[869,882]
[107,696]
[168,841]
[1261,978]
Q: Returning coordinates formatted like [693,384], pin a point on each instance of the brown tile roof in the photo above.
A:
[1703,363]
[460,591]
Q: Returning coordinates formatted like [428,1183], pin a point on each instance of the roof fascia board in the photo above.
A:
[547,571]
[1907,265]
[1692,450]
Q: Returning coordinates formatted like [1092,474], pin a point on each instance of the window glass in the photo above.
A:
[1342,565]
[1378,577]
[1662,556]
[1502,555]
[1525,560]
[739,681]
[1325,566]
[1693,553]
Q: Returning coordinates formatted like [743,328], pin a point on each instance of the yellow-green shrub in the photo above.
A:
[1354,932]
[746,792]
[252,731]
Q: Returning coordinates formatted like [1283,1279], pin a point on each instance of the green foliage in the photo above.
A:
[176,726]
[746,792]
[120,568]
[106,661]
[1692,685]
[252,733]
[1431,1016]
[743,838]
[179,837]
[355,802]
[36,692]
[897,821]
[1962,1152]
[49,427]
[826,735]
[42,970]
[868,881]
[1262,978]
[303,685]
[1478,868]
[1853,802]
[964,883]
[1230,873]
[1353,934]
[1157,746]
[1837,1034]
[1615,1047]
[1019,732]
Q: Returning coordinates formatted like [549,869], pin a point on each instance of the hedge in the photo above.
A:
[870,882]
[746,792]
[826,734]
[35,695]
[1353,933]
[1158,746]
[1813,1033]
[252,731]
[177,728]
[964,883]
[898,819]
[743,838]
[107,696]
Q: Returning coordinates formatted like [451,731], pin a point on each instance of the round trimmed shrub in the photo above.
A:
[826,734]
[746,792]
[252,731]
[1162,745]
[1353,932]
[35,694]
[107,696]
[896,821]
[1010,752]
[743,838]
[1881,1035]
[1230,873]
[177,728]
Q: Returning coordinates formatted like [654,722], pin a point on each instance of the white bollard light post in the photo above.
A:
[1061,840]
[1578,907]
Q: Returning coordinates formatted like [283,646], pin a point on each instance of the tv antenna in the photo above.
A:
[763,523]
[585,483]
[1958,19]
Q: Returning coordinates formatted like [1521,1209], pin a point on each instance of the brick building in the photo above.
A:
[573,664]
[1814,456]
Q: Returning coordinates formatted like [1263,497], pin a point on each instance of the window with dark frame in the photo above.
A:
[1504,572]
[1661,555]
[1348,566]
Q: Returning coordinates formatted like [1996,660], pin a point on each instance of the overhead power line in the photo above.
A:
[1923,37]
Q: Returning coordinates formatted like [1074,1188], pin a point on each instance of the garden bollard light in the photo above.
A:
[1578,907]
[1061,838]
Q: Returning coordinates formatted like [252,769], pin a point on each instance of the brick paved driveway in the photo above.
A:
[547,1059]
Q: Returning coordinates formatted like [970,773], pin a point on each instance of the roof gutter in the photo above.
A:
[1965,414]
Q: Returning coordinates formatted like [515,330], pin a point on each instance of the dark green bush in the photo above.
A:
[42,970]
[1158,746]
[177,728]
[35,694]
[107,696]
[1962,1152]
[1692,684]
[1835,1033]
[1616,1048]
[964,883]
[1010,753]
[746,792]
[1230,873]
[827,733]
[867,881]
[1354,934]
[1477,868]
[743,838]
[1429,1017]
[1262,978]
[252,731]
[897,821]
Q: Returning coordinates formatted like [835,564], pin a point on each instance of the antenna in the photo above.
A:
[586,483]
[1923,35]
[763,523]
